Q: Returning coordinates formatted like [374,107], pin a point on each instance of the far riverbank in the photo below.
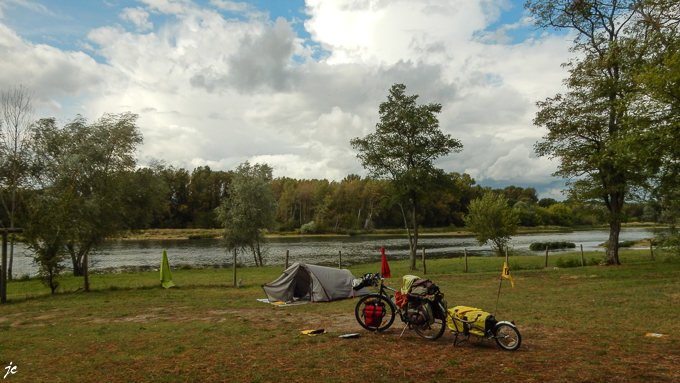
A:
[161,234]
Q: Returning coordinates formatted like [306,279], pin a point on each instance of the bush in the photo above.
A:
[537,246]
[308,228]
[561,263]
[185,266]
[621,244]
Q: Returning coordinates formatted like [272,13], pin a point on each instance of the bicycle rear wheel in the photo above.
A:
[507,337]
[431,331]
[370,324]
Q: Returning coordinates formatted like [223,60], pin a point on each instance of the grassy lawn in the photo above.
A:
[578,324]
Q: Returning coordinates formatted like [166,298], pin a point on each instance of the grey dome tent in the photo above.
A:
[303,282]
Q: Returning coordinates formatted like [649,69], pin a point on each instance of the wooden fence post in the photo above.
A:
[546,256]
[234,267]
[286,260]
[465,253]
[651,250]
[424,268]
[339,259]
[583,262]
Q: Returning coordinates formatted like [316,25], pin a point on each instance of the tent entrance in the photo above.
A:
[303,284]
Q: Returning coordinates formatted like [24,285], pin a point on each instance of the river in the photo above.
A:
[144,255]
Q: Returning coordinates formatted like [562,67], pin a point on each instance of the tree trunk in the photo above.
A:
[254,254]
[614,202]
[368,224]
[259,253]
[412,254]
[11,257]
[414,244]
[86,273]
[612,254]
[76,260]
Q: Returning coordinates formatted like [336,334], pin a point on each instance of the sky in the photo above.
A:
[290,83]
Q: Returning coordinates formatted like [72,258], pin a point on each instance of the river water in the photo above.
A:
[145,255]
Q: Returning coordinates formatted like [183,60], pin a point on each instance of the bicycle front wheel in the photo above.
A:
[365,312]
[507,337]
[431,331]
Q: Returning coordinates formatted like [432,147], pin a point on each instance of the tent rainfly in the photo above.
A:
[303,282]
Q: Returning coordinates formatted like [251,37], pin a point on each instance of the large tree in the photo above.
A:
[249,209]
[84,171]
[660,102]
[16,118]
[404,147]
[601,145]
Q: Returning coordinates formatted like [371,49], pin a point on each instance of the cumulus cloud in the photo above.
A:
[53,75]
[214,89]
[137,16]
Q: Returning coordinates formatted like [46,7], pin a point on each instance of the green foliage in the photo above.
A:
[91,185]
[403,148]
[601,130]
[250,208]
[491,219]
[621,244]
[571,262]
[308,228]
[536,246]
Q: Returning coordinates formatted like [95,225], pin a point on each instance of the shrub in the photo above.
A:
[308,228]
[621,244]
[561,263]
[537,246]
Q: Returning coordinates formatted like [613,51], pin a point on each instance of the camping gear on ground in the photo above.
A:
[313,332]
[353,335]
[425,312]
[304,282]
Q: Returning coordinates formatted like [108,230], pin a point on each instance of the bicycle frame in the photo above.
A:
[382,291]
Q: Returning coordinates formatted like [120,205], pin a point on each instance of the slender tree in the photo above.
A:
[15,119]
[403,148]
[491,219]
[250,209]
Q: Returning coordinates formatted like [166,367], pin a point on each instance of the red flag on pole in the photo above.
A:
[384,267]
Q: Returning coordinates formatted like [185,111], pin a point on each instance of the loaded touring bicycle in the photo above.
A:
[421,307]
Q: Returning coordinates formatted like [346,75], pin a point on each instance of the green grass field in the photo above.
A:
[578,324]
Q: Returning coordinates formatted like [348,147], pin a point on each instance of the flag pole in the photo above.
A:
[499,295]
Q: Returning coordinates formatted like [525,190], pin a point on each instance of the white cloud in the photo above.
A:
[137,16]
[52,74]
[517,165]
[215,90]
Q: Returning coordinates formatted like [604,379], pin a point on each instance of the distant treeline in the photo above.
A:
[357,203]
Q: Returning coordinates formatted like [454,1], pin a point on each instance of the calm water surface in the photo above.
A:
[140,255]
